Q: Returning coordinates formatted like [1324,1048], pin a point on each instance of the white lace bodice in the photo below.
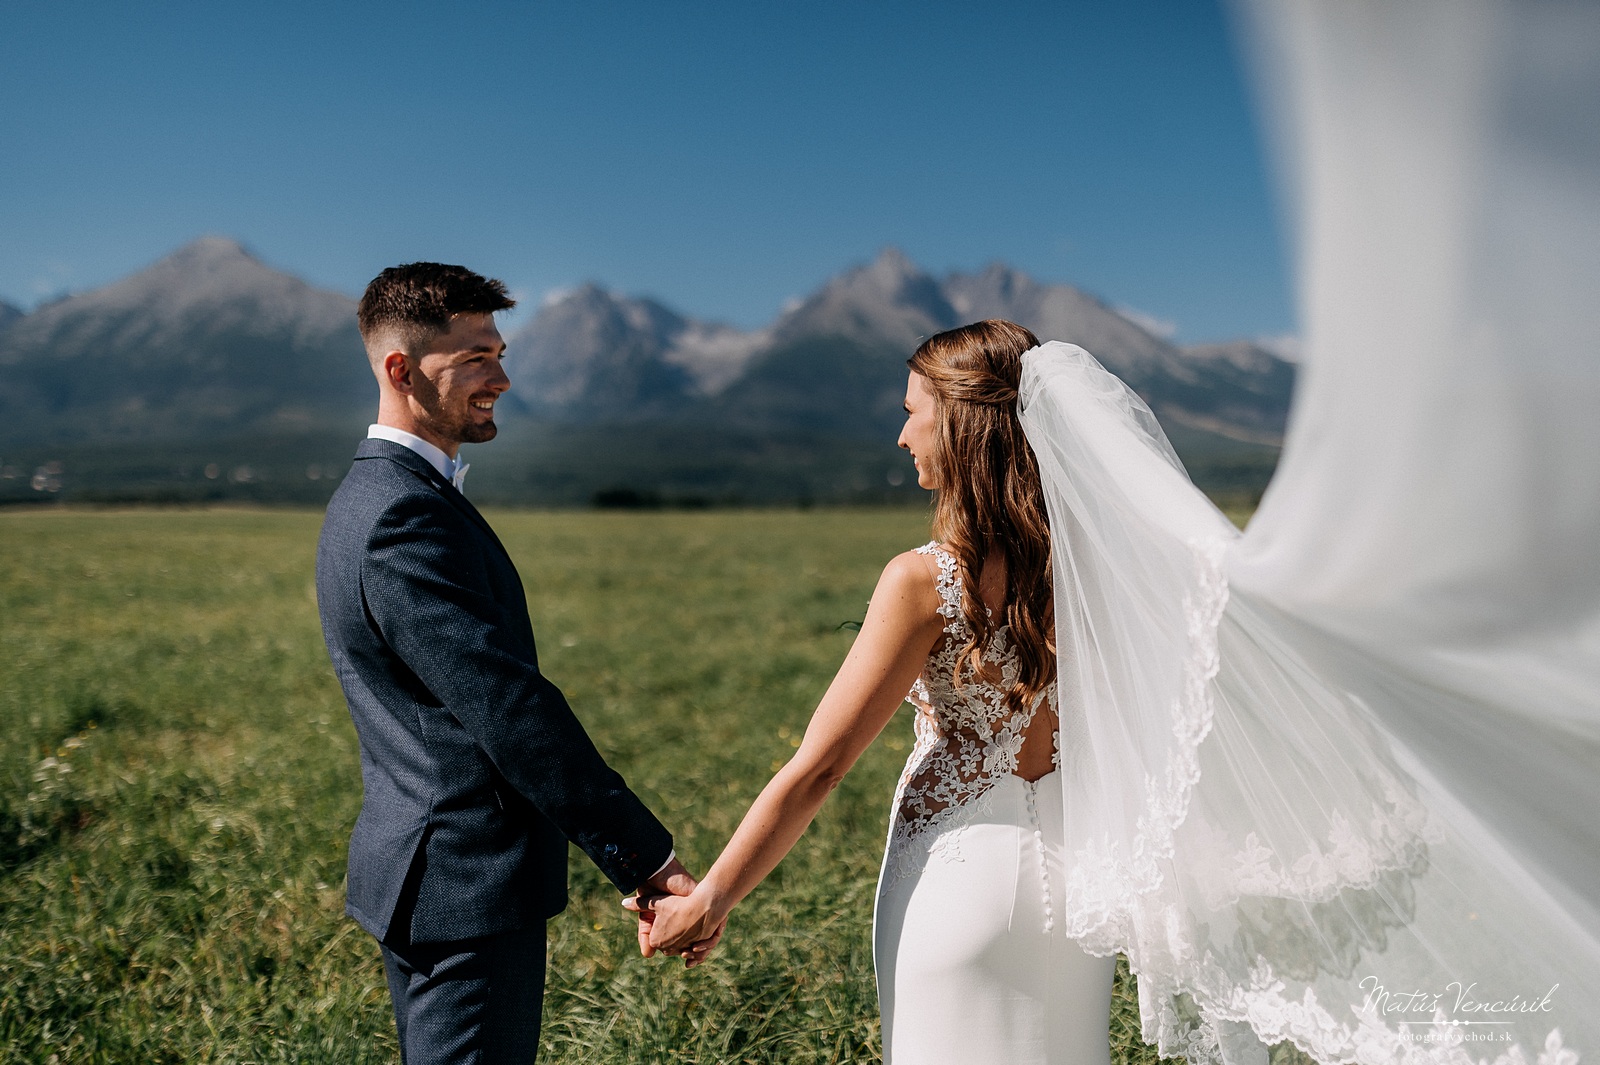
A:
[966,737]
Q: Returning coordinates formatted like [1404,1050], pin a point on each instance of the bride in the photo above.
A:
[1332,782]
[973,964]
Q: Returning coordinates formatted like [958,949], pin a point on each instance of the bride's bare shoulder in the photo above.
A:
[909,583]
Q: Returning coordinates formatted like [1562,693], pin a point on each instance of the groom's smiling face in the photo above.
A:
[458,378]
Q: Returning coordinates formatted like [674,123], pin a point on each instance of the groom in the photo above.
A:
[476,773]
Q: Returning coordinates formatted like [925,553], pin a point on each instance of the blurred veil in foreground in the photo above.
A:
[1347,792]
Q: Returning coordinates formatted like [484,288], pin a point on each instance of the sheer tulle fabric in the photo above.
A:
[1333,781]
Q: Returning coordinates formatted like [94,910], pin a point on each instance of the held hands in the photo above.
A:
[669,885]
[689,925]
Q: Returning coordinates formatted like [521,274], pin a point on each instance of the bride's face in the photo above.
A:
[921,429]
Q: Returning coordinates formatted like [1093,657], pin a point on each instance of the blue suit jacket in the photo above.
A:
[475,770]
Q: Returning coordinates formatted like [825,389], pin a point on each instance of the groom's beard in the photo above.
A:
[463,429]
[471,430]
[462,424]
[474,429]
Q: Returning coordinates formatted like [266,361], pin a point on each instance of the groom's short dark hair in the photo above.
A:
[418,300]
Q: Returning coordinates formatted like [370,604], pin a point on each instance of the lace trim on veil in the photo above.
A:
[1101,884]
[1206,1016]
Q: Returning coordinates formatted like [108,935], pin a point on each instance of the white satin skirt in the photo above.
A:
[972,964]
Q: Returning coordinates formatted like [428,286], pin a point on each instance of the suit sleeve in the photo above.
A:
[432,603]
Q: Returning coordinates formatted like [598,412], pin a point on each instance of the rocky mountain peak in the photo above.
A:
[210,252]
[593,353]
[594,309]
[206,336]
[1063,312]
[204,270]
[891,271]
[888,300]
[212,285]
[996,285]
[891,278]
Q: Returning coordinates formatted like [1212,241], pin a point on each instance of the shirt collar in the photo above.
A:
[450,469]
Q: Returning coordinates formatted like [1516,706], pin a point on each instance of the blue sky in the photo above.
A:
[721,157]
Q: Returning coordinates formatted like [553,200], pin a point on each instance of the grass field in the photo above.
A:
[178,777]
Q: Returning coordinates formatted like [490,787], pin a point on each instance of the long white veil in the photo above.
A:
[1335,781]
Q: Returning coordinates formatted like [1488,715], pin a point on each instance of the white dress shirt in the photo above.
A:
[454,471]
[451,469]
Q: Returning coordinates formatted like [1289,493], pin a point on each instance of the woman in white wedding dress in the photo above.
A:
[973,965]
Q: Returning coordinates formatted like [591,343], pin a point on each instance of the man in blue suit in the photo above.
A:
[476,772]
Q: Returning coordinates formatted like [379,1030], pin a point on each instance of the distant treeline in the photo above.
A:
[542,465]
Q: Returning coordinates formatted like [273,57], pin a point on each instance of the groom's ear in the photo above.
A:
[397,372]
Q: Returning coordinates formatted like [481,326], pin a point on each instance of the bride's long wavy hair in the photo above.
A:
[989,498]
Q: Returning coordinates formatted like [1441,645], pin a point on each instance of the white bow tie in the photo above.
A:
[455,472]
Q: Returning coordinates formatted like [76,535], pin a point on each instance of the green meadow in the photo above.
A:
[178,777]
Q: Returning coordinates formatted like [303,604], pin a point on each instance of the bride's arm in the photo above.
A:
[900,629]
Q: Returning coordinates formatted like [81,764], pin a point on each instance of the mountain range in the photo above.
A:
[594,356]
[212,375]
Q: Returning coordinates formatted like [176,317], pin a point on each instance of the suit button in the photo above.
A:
[611,850]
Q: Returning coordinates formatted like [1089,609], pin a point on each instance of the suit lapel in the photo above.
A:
[388,449]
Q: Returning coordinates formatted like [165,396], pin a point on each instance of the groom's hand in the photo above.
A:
[673,879]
